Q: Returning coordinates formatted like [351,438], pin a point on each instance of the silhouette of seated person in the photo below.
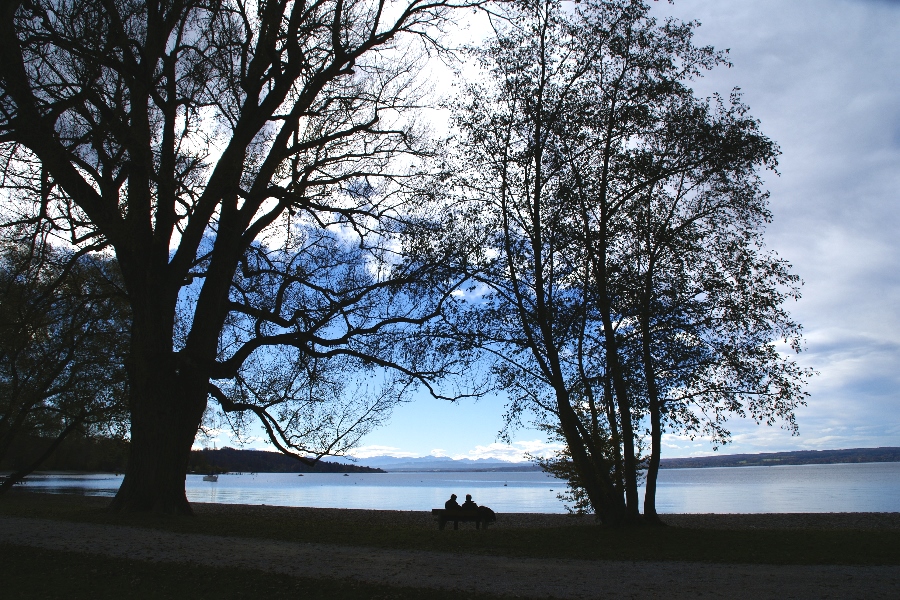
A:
[468,504]
[451,504]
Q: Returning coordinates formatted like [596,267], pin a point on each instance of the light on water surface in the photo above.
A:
[871,487]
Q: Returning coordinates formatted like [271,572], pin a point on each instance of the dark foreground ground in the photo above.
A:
[70,547]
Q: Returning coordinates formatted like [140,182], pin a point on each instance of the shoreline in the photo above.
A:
[885,521]
[735,521]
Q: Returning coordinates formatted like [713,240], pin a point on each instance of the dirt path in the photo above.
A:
[522,577]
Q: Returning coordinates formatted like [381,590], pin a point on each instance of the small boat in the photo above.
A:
[210,477]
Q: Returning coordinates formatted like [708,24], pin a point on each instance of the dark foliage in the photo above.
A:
[63,328]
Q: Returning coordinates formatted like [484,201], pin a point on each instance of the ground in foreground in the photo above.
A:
[225,551]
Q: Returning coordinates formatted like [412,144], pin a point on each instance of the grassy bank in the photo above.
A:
[356,528]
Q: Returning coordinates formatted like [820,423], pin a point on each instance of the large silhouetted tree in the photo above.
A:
[238,157]
[601,175]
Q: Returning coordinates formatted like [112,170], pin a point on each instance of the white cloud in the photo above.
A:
[821,77]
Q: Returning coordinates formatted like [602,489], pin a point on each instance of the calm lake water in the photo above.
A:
[871,487]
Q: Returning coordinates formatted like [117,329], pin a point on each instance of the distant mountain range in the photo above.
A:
[444,463]
[799,457]
[90,455]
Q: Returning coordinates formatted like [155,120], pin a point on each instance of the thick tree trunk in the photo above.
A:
[165,419]
[167,403]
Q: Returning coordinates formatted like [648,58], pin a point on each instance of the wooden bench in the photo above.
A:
[481,516]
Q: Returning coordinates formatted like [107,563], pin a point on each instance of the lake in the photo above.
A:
[868,487]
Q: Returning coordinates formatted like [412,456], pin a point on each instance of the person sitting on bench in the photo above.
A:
[451,504]
[468,504]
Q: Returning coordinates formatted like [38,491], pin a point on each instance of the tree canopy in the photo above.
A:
[241,160]
[630,282]
[294,248]
[63,327]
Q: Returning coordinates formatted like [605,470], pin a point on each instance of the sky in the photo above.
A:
[823,78]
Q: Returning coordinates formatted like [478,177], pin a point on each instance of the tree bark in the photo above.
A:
[620,390]
[167,403]
[165,420]
[600,488]
[650,513]
[655,407]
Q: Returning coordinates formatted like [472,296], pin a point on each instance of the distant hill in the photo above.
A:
[75,453]
[100,455]
[260,461]
[797,457]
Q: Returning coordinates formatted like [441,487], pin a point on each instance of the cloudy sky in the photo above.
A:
[823,77]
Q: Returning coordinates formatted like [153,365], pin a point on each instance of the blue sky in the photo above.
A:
[823,77]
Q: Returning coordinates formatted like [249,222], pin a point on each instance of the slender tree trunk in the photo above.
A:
[600,488]
[655,407]
[655,427]
[650,513]
[614,433]
[623,402]
[598,246]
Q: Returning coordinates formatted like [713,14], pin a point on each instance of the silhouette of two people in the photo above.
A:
[482,515]
[452,504]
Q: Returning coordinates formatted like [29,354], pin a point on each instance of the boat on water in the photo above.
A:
[210,477]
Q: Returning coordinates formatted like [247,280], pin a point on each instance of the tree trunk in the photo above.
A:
[164,423]
[650,513]
[620,390]
[600,488]
[614,433]
[655,406]
[167,404]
